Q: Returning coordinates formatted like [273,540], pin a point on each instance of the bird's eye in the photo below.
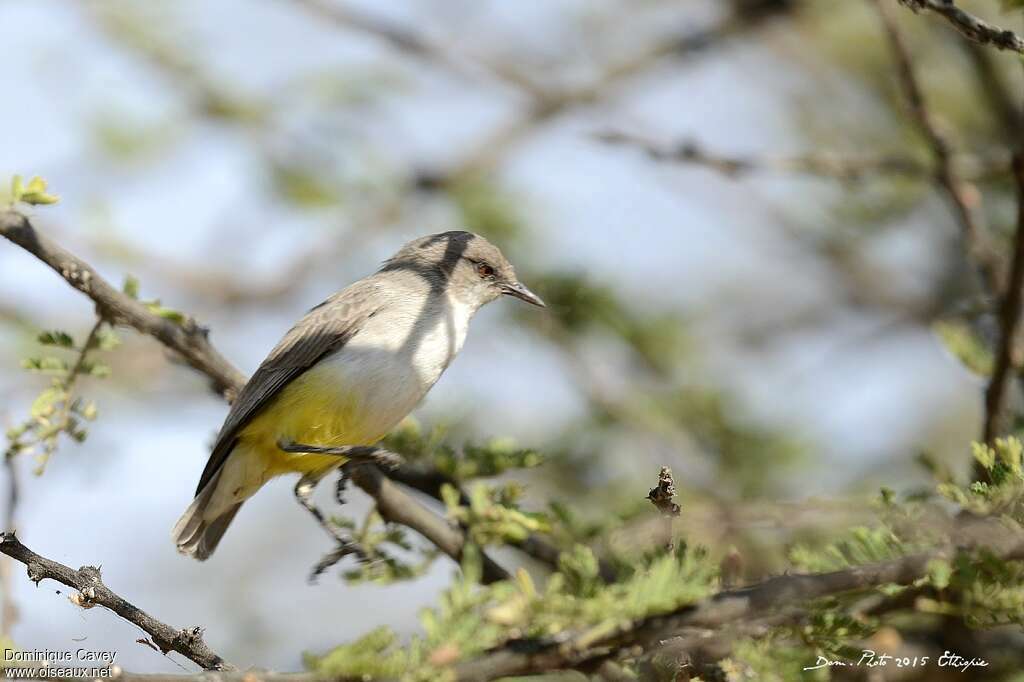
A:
[485,271]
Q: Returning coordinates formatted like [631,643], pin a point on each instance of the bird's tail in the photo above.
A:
[195,534]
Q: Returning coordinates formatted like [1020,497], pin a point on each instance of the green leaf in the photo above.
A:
[56,338]
[34,193]
[107,339]
[131,286]
[44,404]
[97,369]
[48,365]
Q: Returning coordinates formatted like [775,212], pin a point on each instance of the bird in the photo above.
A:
[346,374]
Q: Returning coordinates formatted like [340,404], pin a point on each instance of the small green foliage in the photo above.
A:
[769,659]
[45,364]
[471,618]
[860,545]
[131,289]
[33,193]
[374,655]
[56,410]
[175,316]
[1004,493]
[492,517]
[55,338]
[581,571]
[473,460]
[392,557]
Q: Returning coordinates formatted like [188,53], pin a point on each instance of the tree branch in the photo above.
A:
[963,197]
[189,339]
[816,164]
[1009,321]
[970,26]
[779,595]
[397,506]
[188,642]
[731,606]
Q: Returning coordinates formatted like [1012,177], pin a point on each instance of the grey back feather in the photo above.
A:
[323,330]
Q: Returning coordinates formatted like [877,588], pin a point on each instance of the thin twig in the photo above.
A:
[548,104]
[410,43]
[963,197]
[978,30]
[845,168]
[1006,359]
[188,642]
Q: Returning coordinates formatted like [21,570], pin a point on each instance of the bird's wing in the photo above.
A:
[324,329]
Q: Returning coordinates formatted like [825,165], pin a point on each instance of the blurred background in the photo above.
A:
[784,334]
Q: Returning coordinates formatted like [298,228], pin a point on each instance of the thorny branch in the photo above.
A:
[192,342]
[778,595]
[969,25]
[92,592]
[846,168]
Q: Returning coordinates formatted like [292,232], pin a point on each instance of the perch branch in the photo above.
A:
[397,506]
[192,342]
[188,642]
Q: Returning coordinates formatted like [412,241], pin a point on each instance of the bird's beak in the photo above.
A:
[520,291]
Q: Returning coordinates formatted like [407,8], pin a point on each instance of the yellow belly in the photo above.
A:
[310,410]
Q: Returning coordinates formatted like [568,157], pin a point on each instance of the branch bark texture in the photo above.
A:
[972,27]
[188,641]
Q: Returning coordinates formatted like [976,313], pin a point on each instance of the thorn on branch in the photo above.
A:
[970,26]
[92,592]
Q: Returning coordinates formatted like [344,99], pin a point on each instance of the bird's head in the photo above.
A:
[469,267]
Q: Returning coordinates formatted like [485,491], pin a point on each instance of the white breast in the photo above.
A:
[397,356]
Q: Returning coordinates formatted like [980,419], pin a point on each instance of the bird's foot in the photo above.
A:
[341,486]
[356,453]
[345,545]
[345,548]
